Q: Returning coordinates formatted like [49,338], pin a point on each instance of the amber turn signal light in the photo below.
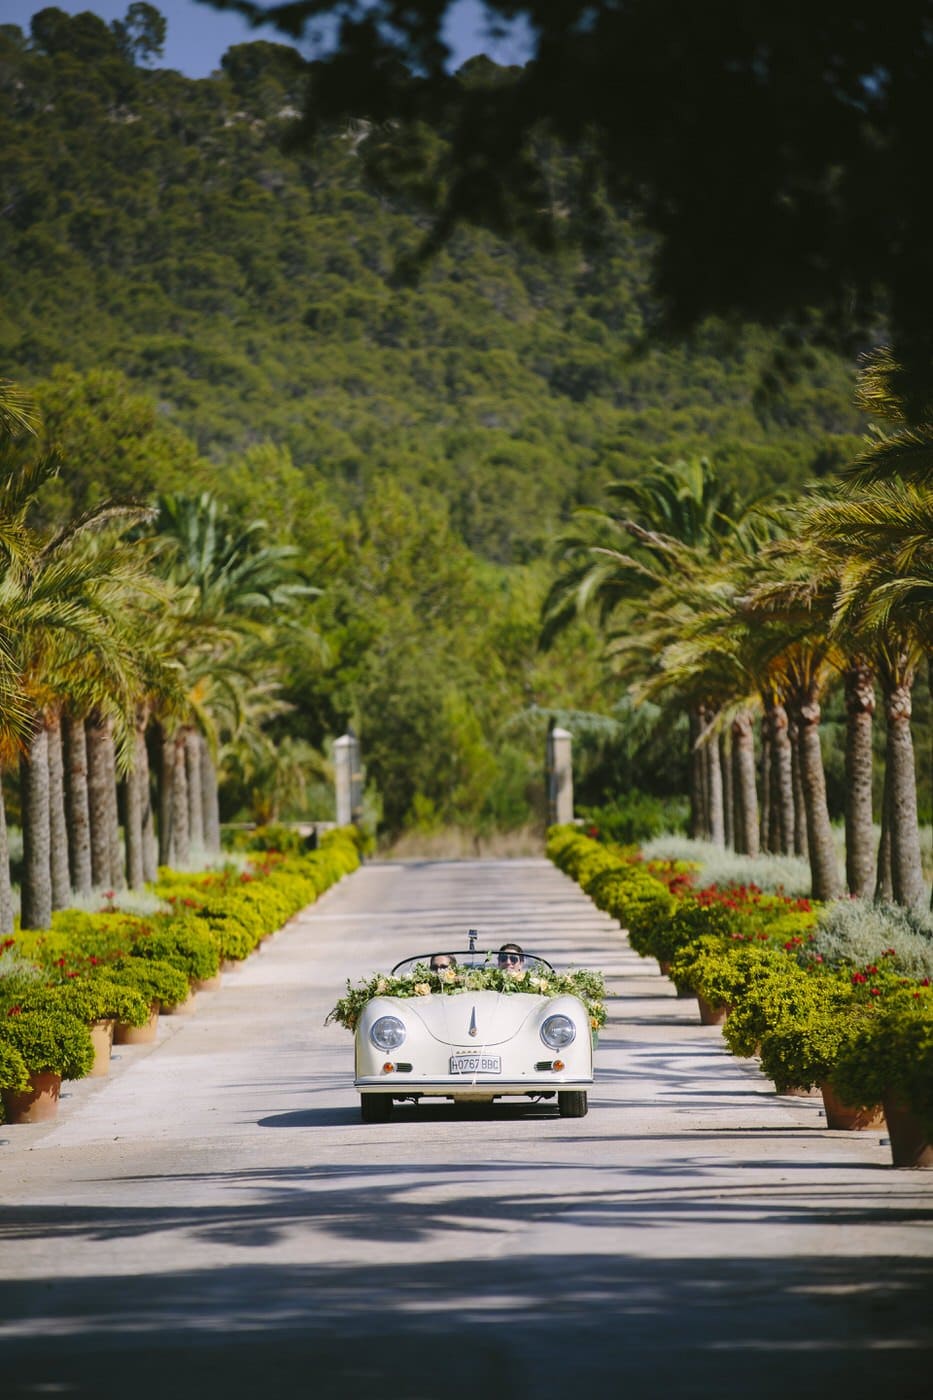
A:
[387,1068]
[558,1065]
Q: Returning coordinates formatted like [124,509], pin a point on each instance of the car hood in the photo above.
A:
[493,1017]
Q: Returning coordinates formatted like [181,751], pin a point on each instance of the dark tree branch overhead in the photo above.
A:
[777,150]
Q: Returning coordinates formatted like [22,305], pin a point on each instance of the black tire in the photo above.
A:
[571,1103]
[375,1108]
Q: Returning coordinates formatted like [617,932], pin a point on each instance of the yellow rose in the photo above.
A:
[422,989]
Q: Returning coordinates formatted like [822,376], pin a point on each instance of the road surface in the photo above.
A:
[213,1219]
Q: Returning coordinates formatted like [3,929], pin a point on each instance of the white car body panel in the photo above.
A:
[505,1026]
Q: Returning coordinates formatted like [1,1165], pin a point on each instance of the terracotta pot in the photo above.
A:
[207,984]
[711,1015]
[911,1144]
[36,1104]
[229,964]
[664,968]
[796,1091]
[125,1034]
[684,992]
[843,1116]
[184,1008]
[102,1041]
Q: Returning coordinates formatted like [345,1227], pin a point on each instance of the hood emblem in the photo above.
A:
[473,1021]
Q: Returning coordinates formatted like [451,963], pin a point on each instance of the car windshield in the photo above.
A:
[440,960]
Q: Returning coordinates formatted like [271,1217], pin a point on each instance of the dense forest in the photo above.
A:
[199,303]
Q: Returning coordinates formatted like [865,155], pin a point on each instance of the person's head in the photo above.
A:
[511,957]
[441,962]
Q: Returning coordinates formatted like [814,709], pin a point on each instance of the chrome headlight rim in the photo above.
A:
[388,1033]
[558,1031]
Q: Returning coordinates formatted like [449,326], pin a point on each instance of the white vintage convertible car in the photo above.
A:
[451,1042]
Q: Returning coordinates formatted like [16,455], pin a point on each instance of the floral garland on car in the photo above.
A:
[422,982]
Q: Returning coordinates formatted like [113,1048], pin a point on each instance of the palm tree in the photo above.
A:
[674,522]
[241,593]
[71,595]
[880,527]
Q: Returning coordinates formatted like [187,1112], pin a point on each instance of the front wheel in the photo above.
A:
[572,1103]
[377,1108]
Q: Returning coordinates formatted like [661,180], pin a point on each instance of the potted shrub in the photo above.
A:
[14,1076]
[186,944]
[100,1001]
[54,1046]
[891,1060]
[159,983]
[804,1051]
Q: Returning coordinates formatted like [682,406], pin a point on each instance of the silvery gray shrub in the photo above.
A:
[858,931]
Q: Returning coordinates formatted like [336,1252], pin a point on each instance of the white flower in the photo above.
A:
[422,989]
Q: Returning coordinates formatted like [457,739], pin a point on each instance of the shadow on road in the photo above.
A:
[528,1327]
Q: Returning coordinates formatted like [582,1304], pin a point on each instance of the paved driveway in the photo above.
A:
[213,1218]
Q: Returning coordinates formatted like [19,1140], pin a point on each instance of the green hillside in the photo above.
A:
[158,225]
[202,303]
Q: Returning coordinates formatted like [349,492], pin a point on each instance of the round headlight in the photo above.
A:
[558,1031]
[387,1033]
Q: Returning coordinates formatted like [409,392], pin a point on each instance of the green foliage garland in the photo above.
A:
[588,986]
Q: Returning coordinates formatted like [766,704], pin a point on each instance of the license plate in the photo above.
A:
[475,1064]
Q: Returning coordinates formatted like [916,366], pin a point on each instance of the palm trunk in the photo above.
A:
[98,783]
[884,881]
[209,797]
[166,795]
[36,889]
[714,797]
[58,826]
[765,844]
[698,824]
[76,804]
[860,839]
[824,871]
[801,837]
[743,762]
[181,847]
[6,887]
[117,871]
[782,784]
[906,869]
[195,797]
[136,793]
[149,842]
[728,790]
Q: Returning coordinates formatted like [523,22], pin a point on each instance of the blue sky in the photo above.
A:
[199,36]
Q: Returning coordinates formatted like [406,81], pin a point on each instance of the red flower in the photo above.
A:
[875,991]
[859,977]
[59,962]
[17,1010]
[871,969]
[71,974]
[888,953]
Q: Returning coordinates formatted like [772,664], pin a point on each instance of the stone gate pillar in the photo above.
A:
[559,776]
[348,778]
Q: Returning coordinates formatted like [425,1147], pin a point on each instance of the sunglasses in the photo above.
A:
[509,958]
